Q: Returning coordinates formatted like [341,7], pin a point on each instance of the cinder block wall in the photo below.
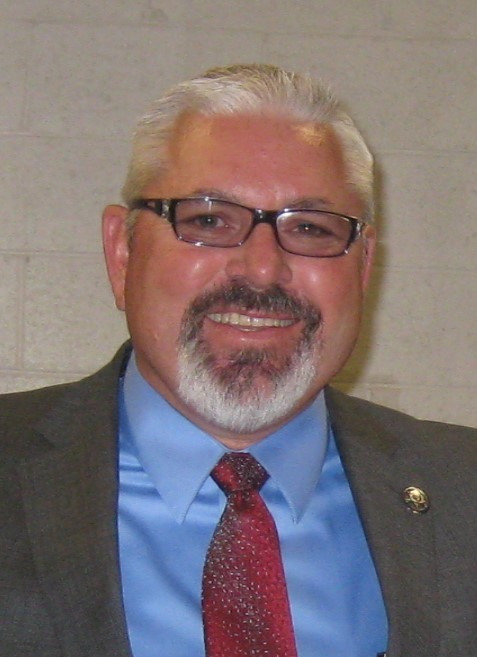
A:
[75,75]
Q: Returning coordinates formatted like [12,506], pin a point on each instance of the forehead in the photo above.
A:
[248,135]
[259,159]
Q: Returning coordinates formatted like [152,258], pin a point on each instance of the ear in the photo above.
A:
[116,249]
[369,247]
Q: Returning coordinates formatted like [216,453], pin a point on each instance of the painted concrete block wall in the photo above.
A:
[76,75]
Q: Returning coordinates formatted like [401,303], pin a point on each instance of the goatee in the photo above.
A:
[253,387]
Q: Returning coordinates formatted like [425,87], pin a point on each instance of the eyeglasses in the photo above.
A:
[206,221]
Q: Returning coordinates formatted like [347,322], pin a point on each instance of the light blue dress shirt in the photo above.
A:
[169,507]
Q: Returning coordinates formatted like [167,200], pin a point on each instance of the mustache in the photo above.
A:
[239,293]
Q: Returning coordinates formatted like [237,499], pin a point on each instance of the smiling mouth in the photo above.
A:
[248,321]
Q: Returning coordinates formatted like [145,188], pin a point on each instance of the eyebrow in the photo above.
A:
[306,202]
[311,203]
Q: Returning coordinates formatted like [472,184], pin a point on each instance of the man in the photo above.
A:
[241,259]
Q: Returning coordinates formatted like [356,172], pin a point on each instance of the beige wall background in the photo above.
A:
[74,76]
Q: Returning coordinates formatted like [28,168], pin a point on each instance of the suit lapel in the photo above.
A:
[70,499]
[379,468]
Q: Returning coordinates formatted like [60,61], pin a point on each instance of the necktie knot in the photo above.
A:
[239,472]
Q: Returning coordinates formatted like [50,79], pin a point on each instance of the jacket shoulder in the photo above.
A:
[376,420]
[345,403]
[22,414]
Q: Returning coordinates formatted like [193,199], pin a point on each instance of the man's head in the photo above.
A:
[239,325]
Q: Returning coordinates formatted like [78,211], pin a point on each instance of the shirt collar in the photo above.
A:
[178,456]
[294,455]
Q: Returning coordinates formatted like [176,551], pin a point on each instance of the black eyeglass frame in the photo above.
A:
[166,208]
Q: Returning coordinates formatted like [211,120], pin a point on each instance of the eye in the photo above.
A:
[308,229]
[206,221]
[209,222]
[314,226]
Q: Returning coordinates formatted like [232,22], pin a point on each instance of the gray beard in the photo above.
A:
[255,388]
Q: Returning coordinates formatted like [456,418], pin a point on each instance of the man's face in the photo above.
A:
[252,327]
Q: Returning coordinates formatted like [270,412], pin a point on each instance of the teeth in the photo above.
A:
[236,319]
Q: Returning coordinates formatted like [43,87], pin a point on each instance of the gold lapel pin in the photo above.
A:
[416,499]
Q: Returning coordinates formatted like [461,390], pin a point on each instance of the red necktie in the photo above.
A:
[244,597]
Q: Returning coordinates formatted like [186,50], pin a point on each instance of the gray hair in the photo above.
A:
[246,89]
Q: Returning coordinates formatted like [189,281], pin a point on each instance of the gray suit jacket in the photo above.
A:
[60,589]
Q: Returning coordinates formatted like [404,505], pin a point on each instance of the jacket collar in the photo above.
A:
[70,500]
[380,463]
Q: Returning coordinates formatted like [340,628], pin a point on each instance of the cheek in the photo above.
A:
[337,292]
[334,282]
[184,273]
[345,296]
[163,279]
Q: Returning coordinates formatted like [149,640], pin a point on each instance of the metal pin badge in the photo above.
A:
[416,499]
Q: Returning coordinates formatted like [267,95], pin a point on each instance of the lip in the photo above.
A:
[250,322]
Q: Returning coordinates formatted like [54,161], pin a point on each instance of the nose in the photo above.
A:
[260,260]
